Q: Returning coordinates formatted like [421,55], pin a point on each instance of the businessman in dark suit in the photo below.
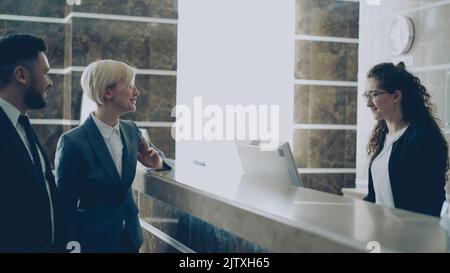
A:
[28,203]
[96,164]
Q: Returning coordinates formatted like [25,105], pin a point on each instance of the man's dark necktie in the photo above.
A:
[32,141]
[31,137]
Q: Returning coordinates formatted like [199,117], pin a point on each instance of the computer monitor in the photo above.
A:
[276,164]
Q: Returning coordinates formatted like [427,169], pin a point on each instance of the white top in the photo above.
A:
[380,171]
[13,115]
[111,135]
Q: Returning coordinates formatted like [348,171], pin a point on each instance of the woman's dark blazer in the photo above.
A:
[95,199]
[415,171]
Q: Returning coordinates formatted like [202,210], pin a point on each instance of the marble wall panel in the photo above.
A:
[325,105]
[77,95]
[53,34]
[325,148]
[41,8]
[327,18]
[144,8]
[331,183]
[142,45]
[326,61]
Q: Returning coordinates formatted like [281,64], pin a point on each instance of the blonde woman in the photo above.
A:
[96,164]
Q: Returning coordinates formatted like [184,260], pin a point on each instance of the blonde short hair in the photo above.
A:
[102,74]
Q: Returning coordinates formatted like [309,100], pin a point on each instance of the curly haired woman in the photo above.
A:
[408,153]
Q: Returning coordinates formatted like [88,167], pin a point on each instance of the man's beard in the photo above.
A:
[34,99]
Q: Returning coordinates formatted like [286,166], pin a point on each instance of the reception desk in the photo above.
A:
[266,215]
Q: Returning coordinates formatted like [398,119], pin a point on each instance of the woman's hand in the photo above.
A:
[148,156]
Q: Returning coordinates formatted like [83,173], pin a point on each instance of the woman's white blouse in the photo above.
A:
[380,172]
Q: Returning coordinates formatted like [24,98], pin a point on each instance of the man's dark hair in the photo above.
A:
[18,49]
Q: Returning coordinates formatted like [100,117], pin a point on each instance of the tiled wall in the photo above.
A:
[428,58]
[49,8]
[144,8]
[325,93]
[327,18]
[326,61]
[324,104]
[145,37]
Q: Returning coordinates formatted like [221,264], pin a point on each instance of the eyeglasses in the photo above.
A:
[372,95]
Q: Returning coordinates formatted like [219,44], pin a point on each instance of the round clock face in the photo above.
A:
[401,35]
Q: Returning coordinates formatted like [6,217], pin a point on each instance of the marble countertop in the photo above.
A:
[283,218]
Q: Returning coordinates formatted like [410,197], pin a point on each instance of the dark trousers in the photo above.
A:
[126,246]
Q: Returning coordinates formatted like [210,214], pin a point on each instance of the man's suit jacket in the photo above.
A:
[94,198]
[26,224]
